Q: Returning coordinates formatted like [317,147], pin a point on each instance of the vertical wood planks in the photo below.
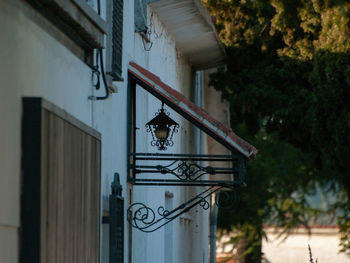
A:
[70,193]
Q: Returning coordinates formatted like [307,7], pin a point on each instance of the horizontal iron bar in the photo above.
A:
[169,172]
[185,155]
[186,184]
[178,182]
[184,159]
[156,167]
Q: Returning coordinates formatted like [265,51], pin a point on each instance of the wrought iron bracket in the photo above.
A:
[145,219]
[149,169]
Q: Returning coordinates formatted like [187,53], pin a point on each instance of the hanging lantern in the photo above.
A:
[162,128]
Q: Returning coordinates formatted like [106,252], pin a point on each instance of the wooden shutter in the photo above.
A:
[117,39]
[68,194]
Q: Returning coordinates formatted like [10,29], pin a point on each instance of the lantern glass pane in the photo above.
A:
[162,132]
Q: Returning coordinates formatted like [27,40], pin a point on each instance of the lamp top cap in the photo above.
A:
[162,119]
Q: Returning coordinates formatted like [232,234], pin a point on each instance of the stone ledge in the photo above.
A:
[82,25]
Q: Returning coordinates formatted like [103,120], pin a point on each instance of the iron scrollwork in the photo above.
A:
[189,171]
[227,199]
[185,170]
[144,218]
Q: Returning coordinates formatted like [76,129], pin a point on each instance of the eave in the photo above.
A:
[190,24]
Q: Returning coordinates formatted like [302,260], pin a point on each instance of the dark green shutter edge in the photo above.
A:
[30,181]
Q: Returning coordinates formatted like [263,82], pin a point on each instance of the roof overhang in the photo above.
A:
[190,24]
[190,111]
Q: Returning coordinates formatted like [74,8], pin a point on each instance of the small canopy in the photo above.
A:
[190,111]
[191,25]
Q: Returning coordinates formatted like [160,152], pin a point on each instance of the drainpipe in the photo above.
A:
[213,208]
[212,233]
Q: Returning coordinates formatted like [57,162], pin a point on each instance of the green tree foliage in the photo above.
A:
[288,83]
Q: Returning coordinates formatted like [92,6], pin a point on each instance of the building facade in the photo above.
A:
[79,82]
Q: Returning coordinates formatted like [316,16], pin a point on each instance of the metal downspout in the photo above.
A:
[213,208]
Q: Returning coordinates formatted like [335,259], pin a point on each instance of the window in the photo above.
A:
[60,195]
[117,40]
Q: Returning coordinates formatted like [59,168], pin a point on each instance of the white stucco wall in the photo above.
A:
[32,63]
[35,61]
[165,61]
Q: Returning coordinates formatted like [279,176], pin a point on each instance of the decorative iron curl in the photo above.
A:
[150,130]
[185,170]
[162,145]
[176,128]
[142,217]
[204,204]
[145,219]
[227,199]
[162,110]
[163,212]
